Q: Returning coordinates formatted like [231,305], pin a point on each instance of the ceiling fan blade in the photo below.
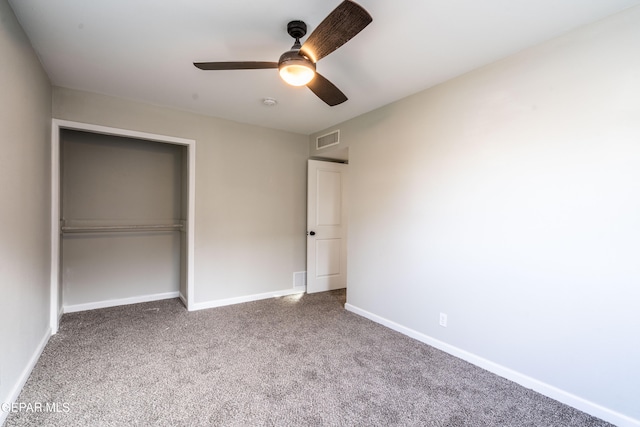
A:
[346,20]
[241,65]
[326,91]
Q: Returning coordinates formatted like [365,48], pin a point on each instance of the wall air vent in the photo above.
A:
[327,140]
[300,280]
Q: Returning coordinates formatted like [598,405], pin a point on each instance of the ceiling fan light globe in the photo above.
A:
[297,74]
[296,69]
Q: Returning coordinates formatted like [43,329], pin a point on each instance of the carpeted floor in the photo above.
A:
[291,361]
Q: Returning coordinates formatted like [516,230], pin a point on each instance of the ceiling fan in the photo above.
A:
[298,65]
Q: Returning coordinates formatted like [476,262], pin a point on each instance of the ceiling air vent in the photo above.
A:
[327,140]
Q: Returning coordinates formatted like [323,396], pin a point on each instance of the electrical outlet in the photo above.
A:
[443,320]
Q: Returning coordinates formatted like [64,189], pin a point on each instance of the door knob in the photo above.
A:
[312,233]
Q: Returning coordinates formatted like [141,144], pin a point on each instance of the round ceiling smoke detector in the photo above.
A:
[269,102]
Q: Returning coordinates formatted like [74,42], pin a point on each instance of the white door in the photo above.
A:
[326,226]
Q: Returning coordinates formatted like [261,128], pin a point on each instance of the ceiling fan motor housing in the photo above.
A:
[294,56]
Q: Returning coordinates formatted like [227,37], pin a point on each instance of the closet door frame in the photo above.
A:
[56,308]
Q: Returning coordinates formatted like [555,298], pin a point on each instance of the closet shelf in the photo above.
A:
[120,228]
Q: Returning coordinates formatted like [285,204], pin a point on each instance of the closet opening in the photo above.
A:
[122,218]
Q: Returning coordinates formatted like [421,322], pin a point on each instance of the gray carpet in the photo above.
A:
[291,361]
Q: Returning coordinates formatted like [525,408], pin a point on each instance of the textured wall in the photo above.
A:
[25,123]
[508,198]
[250,192]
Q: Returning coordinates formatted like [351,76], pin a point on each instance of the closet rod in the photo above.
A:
[121,228]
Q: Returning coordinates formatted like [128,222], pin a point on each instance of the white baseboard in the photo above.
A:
[116,302]
[24,375]
[184,300]
[548,390]
[247,298]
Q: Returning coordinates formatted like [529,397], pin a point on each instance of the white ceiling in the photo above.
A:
[144,49]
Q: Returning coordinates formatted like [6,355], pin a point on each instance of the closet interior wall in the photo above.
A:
[123,210]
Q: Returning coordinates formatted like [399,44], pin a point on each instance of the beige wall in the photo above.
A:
[250,192]
[25,122]
[508,199]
